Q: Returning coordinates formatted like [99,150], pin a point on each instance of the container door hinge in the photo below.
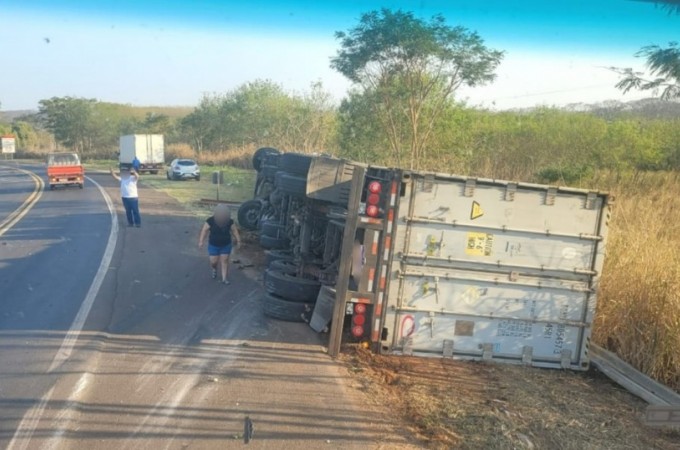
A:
[408,346]
[448,348]
[510,192]
[591,200]
[487,351]
[470,185]
[428,183]
[565,359]
[527,355]
[431,325]
[550,196]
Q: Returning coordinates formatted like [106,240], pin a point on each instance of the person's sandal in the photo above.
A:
[227,282]
[214,274]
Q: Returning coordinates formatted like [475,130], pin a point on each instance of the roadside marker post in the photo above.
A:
[217,179]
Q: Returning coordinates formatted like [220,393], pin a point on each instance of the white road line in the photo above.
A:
[26,206]
[29,422]
[72,335]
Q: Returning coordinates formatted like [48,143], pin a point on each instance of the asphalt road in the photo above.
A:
[162,356]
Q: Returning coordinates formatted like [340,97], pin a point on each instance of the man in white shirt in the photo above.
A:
[128,191]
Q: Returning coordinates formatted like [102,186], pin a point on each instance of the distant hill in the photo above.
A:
[136,111]
[8,116]
[648,108]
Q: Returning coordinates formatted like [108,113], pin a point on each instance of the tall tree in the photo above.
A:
[414,67]
[663,64]
[69,119]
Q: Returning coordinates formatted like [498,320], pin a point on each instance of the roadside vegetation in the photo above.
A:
[412,118]
[468,405]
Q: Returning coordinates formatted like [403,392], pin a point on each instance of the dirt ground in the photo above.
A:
[470,405]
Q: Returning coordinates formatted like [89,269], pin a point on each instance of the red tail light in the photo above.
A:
[372,211]
[374,187]
[359,319]
[360,308]
[357,331]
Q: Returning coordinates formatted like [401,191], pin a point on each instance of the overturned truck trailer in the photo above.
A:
[441,265]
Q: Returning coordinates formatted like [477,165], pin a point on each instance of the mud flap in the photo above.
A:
[323,310]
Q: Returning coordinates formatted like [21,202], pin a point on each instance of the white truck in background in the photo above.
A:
[148,148]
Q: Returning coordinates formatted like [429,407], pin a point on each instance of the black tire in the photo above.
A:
[80,185]
[290,287]
[281,309]
[51,187]
[259,154]
[249,214]
[272,229]
[291,184]
[198,178]
[284,266]
[167,175]
[154,172]
[295,163]
[278,255]
[273,243]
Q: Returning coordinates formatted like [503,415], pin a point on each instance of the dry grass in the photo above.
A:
[456,404]
[638,313]
[239,157]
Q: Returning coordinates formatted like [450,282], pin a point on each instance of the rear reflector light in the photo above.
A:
[357,331]
[374,187]
[373,199]
[360,308]
[372,211]
[359,319]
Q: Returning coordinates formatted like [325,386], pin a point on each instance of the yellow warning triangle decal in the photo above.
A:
[477,211]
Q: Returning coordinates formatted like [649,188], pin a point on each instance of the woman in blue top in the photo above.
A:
[221,232]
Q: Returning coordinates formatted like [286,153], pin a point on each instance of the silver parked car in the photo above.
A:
[181,169]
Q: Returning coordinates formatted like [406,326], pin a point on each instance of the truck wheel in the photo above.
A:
[259,155]
[249,214]
[291,184]
[167,175]
[295,163]
[284,266]
[198,178]
[291,287]
[273,243]
[51,187]
[153,172]
[278,255]
[80,185]
[272,229]
[281,309]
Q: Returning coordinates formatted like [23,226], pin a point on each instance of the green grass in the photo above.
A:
[238,187]
[100,164]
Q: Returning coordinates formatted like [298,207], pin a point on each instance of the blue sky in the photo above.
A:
[172,52]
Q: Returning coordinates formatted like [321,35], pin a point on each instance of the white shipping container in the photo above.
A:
[149,149]
[483,269]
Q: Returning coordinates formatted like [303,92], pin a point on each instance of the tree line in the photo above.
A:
[401,111]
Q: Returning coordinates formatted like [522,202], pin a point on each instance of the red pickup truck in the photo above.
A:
[65,169]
